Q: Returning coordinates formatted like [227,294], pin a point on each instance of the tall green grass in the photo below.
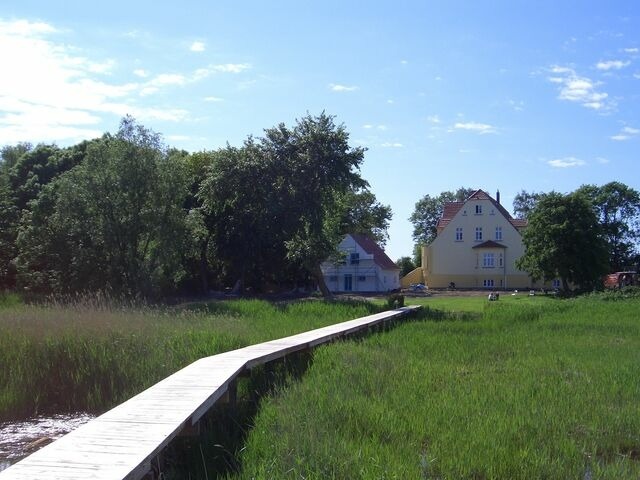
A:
[91,354]
[535,388]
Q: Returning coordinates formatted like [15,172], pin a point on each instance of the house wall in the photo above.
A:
[366,275]
[448,260]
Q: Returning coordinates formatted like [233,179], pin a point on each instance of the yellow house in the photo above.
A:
[477,245]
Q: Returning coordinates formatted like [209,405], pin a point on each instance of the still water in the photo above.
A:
[19,439]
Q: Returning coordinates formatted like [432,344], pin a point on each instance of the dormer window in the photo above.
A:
[354,258]
[478,209]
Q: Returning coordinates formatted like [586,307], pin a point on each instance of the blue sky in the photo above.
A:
[506,95]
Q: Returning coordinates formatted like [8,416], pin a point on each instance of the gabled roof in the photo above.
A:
[372,248]
[452,208]
[489,244]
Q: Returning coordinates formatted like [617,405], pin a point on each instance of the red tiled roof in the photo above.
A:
[452,208]
[372,248]
[489,244]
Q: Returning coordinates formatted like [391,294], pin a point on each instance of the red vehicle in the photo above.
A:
[620,279]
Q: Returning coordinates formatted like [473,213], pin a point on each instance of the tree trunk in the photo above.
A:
[317,273]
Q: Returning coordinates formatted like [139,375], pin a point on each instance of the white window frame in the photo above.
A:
[499,233]
[459,235]
[478,209]
[488,260]
[488,282]
[478,234]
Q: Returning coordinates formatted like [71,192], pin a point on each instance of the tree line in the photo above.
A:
[127,214]
[577,236]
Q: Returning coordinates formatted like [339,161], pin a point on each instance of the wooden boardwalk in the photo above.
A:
[122,443]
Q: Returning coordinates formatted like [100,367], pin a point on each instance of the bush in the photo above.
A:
[395,300]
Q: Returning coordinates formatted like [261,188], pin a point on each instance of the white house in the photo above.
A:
[362,267]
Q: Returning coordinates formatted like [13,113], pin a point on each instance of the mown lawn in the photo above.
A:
[526,388]
[91,355]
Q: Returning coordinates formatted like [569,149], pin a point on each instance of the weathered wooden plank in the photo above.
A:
[122,442]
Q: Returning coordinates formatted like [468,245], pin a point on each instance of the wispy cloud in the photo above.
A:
[602,160]
[391,145]
[141,73]
[481,128]
[626,133]
[368,126]
[336,87]
[435,119]
[566,162]
[213,99]
[631,50]
[579,89]
[57,93]
[197,47]
[612,65]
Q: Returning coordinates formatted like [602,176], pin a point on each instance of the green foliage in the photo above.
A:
[428,210]
[617,207]
[563,239]
[536,388]
[524,203]
[395,300]
[118,213]
[406,265]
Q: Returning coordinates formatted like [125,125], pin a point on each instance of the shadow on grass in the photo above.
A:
[215,451]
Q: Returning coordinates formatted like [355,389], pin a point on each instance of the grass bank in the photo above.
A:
[529,388]
[91,355]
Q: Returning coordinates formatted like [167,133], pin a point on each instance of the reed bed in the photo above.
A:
[524,388]
[88,354]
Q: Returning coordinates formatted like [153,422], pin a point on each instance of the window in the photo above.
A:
[556,283]
[464,212]
[498,233]
[478,209]
[362,278]
[458,234]
[488,260]
[500,260]
[487,282]
[493,212]
[354,259]
[478,234]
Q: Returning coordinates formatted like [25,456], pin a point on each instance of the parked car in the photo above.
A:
[418,287]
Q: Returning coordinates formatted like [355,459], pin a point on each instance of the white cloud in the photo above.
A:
[626,134]
[403,62]
[391,145]
[141,73]
[197,47]
[631,50]
[620,137]
[480,128]
[603,160]
[518,106]
[390,101]
[53,92]
[336,87]
[213,99]
[435,119]
[582,90]
[566,162]
[612,65]
[636,75]
[230,67]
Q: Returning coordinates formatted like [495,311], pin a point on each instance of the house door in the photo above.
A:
[348,283]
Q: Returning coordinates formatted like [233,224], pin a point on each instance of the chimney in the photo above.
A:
[498,196]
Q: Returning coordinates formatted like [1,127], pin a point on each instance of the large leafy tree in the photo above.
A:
[363,213]
[117,213]
[428,211]
[524,202]
[617,207]
[564,239]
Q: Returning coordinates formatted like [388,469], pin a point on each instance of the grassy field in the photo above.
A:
[520,388]
[91,355]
